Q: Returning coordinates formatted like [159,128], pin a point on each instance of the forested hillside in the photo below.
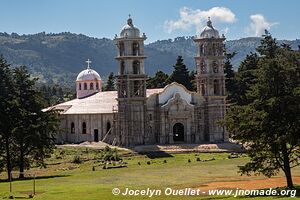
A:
[58,58]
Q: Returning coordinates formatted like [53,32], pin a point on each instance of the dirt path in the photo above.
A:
[250,184]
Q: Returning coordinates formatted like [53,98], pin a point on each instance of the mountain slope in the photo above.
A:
[58,58]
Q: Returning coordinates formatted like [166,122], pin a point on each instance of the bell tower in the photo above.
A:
[210,80]
[131,83]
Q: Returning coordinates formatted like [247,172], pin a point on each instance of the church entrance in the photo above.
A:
[96,135]
[178,132]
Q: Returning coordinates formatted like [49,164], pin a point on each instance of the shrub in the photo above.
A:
[77,159]
[139,163]
[189,160]
[148,162]
[165,161]
[109,154]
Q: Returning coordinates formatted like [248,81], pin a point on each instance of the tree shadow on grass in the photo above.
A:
[157,154]
[36,178]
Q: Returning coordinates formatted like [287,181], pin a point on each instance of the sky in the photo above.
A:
[159,19]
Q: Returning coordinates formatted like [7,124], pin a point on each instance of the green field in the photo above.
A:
[63,180]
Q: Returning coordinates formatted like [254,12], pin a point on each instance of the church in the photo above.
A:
[134,115]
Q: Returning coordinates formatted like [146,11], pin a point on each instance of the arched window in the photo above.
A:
[202,87]
[85,86]
[122,67]
[79,86]
[72,127]
[97,86]
[150,117]
[108,126]
[215,66]
[214,49]
[216,87]
[91,86]
[122,49]
[202,67]
[135,49]
[83,128]
[136,67]
[201,50]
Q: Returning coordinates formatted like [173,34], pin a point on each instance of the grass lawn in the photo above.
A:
[64,180]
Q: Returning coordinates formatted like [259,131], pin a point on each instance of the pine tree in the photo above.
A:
[230,81]
[192,78]
[34,129]
[110,84]
[245,78]
[26,132]
[181,74]
[7,121]
[268,122]
[268,46]
[158,81]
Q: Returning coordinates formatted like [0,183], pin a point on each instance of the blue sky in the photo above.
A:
[159,19]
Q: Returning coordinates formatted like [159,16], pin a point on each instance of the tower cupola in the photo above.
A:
[209,31]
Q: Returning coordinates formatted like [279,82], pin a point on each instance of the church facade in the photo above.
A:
[134,115]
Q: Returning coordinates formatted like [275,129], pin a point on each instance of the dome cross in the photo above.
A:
[88,62]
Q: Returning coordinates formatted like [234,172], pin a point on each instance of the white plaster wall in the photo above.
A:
[93,121]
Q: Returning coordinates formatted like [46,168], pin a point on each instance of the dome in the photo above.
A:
[88,74]
[129,30]
[209,31]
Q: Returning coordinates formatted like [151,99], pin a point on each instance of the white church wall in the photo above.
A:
[93,121]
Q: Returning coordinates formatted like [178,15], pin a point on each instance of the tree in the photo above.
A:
[6,109]
[110,84]
[268,124]
[34,129]
[158,81]
[61,94]
[230,81]
[181,74]
[192,78]
[245,78]
[26,132]
[268,46]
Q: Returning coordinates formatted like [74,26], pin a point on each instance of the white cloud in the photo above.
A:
[258,25]
[190,18]
[225,30]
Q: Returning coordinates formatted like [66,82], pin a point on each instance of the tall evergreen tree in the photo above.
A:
[245,78]
[158,81]
[230,81]
[192,78]
[110,84]
[26,132]
[6,110]
[268,46]
[34,129]
[268,123]
[181,74]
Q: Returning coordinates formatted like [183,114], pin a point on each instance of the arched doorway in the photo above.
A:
[178,132]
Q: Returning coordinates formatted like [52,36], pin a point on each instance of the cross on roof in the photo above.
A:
[88,62]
